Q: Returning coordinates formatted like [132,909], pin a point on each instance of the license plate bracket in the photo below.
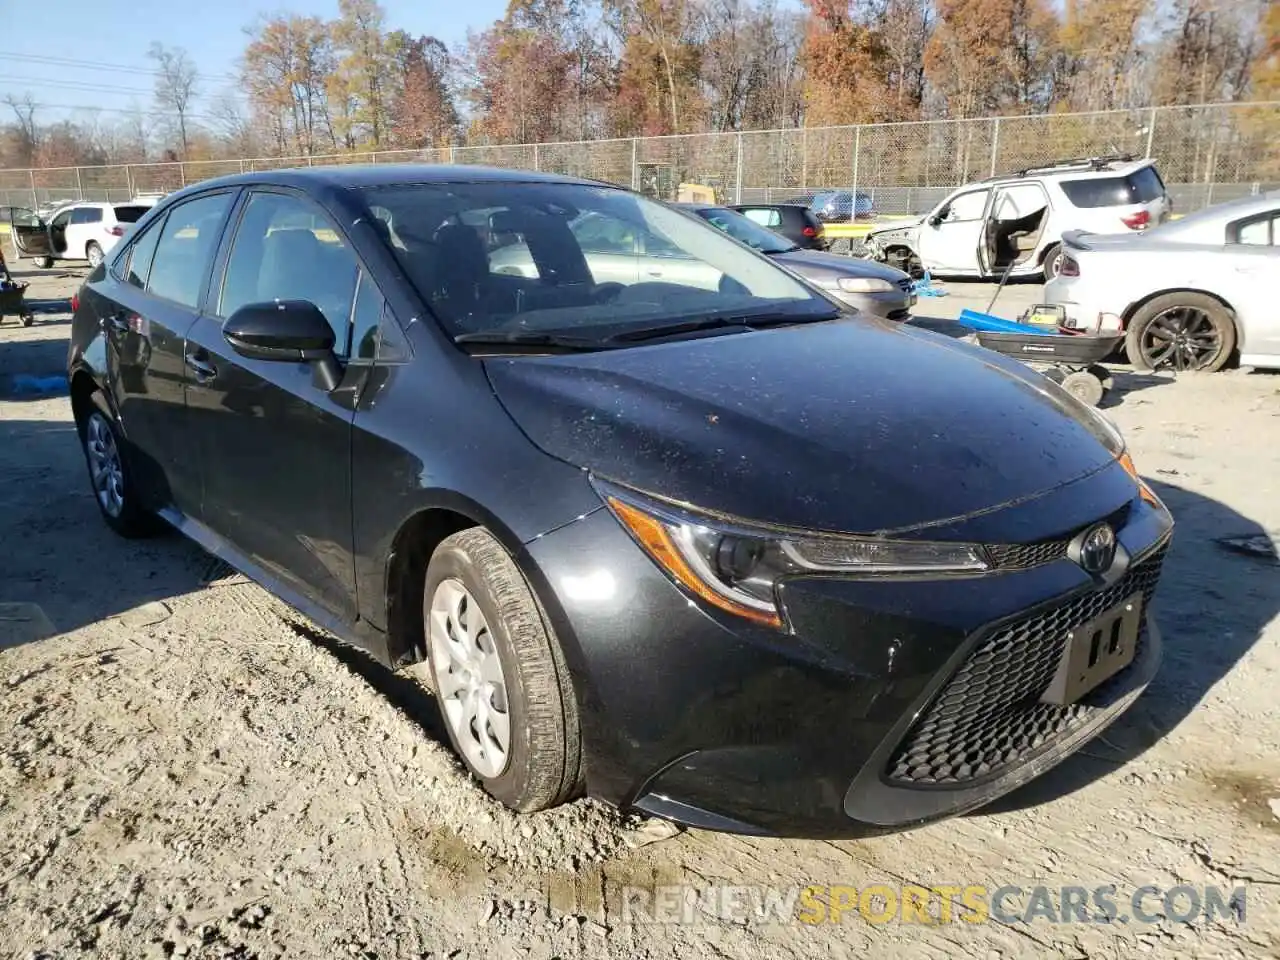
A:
[1095,651]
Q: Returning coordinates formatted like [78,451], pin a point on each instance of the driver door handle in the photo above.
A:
[202,369]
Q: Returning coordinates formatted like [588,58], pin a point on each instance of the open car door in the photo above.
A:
[1014,222]
[30,234]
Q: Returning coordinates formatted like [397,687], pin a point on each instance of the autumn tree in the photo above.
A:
[991,56]
[1207,53]
[659,69]
[1265,69]
[422,108]
[844,62]
[1100,54]
[286,68]
[365,67]
[750,64]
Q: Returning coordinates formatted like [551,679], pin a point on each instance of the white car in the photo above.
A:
[1188,294]
[1016,221]
[84,230]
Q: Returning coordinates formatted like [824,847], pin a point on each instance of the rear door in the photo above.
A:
[1253,247]
[275,447]
[84,225]
[30,233]
[154,298]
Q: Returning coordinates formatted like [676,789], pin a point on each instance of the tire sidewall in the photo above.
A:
[1053,262]
[1217,314]
[88,254]
[453,562]
[134,520]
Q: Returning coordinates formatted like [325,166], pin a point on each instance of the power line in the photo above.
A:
[98,65]
[92,109]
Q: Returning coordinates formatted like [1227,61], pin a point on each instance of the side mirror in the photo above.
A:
[934,220]
[293,331]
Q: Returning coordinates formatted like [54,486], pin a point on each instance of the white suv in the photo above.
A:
[1016,221]
[82,230]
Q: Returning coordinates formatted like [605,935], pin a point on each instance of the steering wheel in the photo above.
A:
[607,292]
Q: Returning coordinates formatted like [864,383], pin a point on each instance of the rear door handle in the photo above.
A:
[202,370]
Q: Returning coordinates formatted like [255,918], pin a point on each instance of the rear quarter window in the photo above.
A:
[1141,186]
[129,214]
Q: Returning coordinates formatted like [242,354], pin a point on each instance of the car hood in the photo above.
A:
[905,226]
[823,266]
[853,425]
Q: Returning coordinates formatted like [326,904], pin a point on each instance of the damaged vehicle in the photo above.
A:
[723,552]
[1015,222]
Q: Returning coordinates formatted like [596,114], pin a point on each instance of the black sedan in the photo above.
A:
[866,285]
[684,536]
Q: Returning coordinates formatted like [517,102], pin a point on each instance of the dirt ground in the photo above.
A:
[188,768]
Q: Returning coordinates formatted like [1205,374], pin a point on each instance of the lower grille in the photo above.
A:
[988,717]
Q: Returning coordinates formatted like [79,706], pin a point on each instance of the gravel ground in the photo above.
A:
[188,768]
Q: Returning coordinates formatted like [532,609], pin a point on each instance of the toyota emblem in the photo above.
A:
[1095,549]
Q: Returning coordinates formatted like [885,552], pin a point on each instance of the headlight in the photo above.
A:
[864,285]
[737,568]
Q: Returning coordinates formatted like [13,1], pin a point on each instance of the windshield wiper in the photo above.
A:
[740,321]
[524,341]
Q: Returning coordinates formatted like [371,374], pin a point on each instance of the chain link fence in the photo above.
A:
[1206,154]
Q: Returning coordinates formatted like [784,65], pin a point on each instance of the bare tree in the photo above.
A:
[24,109]
[176,78]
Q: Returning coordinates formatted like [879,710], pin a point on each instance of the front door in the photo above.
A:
[275,447]
[30,233]
[153,296]
[951,236]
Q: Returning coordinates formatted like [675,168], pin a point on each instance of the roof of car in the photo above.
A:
[1077,167]
[388,174]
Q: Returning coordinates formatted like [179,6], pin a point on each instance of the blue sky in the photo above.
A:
[117,35]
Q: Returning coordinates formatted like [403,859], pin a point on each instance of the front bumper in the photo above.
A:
[702,718]
[890,304]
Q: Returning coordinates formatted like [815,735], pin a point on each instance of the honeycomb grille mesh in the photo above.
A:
[1020,556]
[988,716]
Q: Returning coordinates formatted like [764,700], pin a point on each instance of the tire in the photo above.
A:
[110,476]
[531,692]
[93,253]
[1052,263]
[1084,386]
[1183,331]
[44,263]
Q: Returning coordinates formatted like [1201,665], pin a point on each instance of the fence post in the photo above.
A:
[635,164]
[79,186]
[737,189]
[451,158]
[35,200]
[128,181]
[1151,132]
[182,172]
[857,148]
[537,159]
[995,144]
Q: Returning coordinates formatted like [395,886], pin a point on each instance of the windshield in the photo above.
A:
[579,260]
[745,230]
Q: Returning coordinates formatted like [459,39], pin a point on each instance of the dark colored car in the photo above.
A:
[865,285]
[716,551]
[838,206]
[794,221]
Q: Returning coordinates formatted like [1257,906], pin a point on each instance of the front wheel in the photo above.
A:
[93,253]
[498,674]
[1182,331]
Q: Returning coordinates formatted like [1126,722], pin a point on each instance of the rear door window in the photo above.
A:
[764,216]
[1257,232]
[186,247]
[129,213]
[1141,186]
[86,215]
[137,265]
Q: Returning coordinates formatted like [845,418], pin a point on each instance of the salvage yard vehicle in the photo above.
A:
[1015,221]
[729,555]
[797,223]
[863,284]
[1188,294]
[83,230]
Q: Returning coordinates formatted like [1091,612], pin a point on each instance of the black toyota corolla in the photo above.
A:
[654,521]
